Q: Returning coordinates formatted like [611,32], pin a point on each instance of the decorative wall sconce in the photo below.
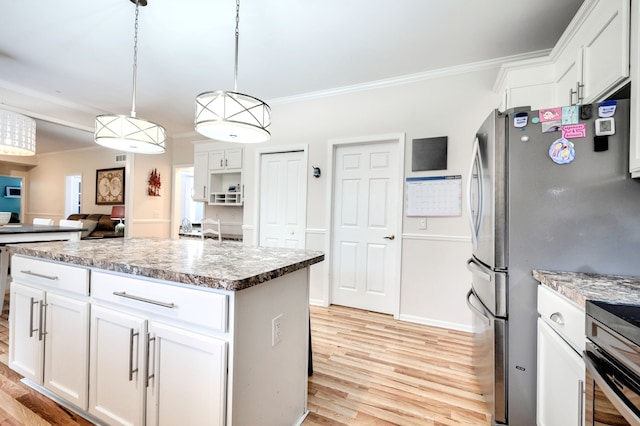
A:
[316,171]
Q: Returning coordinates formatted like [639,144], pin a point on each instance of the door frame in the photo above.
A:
[258,172]
[333,145]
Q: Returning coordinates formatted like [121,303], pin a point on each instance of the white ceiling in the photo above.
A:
[65,61]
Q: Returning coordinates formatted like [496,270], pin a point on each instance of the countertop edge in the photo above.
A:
[188,278]
[581,286]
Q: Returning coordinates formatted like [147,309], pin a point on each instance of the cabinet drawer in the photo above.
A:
[64,277]
[564,316]
[199,307]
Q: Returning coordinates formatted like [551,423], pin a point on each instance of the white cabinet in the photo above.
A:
[116,381]
[146,362]
[49,327]
[225,159]
[200,176]
[561,370]
[176,357]
[589,62]
[218,175]
[596,57]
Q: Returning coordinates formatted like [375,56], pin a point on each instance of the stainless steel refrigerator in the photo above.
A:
[530,209]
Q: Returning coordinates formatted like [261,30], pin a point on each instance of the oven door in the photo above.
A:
[612,395]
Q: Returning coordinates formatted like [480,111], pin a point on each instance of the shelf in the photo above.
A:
[225,198]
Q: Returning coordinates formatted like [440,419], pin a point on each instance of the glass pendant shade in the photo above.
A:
[17,134]
[130,134]
[232,117]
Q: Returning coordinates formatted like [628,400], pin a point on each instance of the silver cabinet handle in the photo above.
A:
[390,237]
[557,318]
[150,370]
[43,320]
[35,274]
[580,401]
[143,299]
[132,334]
[31,329]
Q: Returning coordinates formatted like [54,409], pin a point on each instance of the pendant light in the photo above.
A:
[17,134]
[232,116]
[129,133]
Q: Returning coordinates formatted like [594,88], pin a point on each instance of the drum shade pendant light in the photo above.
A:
[17,134]
[232,116]
[129,133]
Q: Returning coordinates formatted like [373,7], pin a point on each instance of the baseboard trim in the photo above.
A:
[435,323]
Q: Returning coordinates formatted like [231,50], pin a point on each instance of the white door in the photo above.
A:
[178,356]
[117,370]
[560,380]
[365,217]
[66,366]
[283,200]
[26,341]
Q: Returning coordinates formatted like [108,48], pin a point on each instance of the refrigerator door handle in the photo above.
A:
[480,313]
[475,269]
[475,157]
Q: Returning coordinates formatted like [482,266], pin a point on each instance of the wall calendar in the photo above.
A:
[433,196]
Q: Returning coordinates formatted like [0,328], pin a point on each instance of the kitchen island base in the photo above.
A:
[160,352]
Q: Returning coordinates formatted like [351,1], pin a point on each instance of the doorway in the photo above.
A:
[283,200]
[366,223]
[11,199]
[73,194]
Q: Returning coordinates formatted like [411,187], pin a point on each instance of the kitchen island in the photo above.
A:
[155,331]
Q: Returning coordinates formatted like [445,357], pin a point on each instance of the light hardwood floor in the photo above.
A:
[372,370]
[368,370]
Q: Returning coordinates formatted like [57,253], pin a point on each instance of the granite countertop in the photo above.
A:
[228,265]
[580,287]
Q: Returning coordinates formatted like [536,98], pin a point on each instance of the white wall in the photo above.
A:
[146,216]
[434,277]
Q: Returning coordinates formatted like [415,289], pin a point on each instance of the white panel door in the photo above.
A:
[364,220]
[283,200]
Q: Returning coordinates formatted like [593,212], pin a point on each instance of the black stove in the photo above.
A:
[624,319]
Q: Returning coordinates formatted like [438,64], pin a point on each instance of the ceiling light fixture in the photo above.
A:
[129,133]
[17,134]
[232,116]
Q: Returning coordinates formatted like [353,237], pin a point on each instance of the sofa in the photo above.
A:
[98,225]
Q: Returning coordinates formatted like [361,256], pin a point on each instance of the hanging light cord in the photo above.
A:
[135,62]
[235,69]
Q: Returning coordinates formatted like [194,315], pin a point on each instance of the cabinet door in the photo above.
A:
[200,176]
[187,377]
[560,380]
[569,78]
[26,341]
[117,372]
[233,158]
[66,367]
[216,160]
[606,48]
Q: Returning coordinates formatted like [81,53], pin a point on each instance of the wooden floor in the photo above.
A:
[368,370]
[372,370]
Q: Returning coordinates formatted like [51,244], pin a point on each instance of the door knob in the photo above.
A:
[390,237]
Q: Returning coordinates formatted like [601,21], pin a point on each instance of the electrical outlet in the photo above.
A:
[276,330]
[422,223]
